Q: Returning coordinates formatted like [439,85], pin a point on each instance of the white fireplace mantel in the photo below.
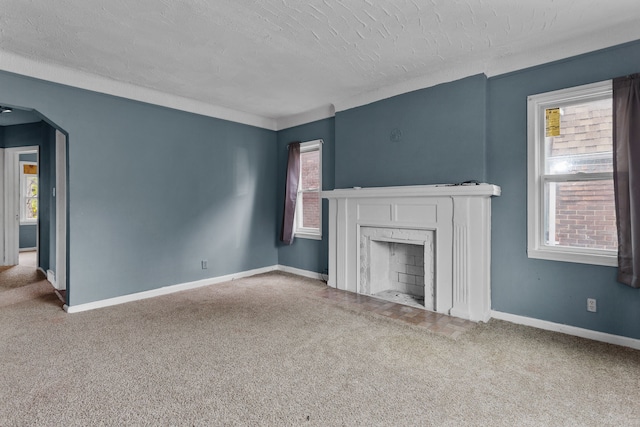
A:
[459,216]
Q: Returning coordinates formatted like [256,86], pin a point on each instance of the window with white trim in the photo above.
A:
[571,208]
[308,216]
[28,193]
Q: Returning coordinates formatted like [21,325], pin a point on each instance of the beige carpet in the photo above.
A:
[267,351]
[19,283]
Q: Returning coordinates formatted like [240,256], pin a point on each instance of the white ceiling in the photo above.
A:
[270,62]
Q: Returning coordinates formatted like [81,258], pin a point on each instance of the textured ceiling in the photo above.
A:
[277,58]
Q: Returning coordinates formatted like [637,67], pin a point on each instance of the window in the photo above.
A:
[571,207]
[28,193]
[308,218]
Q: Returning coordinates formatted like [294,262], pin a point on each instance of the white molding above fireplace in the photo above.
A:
[459,215]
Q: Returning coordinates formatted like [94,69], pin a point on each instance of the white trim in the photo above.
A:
[567,329]
[186,286]
[165,290]
[68,76]
[60,196]
[300,272]
[314,115]
[299,231]
[51,277]
[308,235]
[442,190]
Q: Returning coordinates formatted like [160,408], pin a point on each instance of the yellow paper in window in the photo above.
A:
[30,169]
[552,121]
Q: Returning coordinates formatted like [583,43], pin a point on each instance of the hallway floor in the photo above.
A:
[28,259]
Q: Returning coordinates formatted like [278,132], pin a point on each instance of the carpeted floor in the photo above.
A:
[269,350]
[19,283]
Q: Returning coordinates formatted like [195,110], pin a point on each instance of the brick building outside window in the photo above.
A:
[309,204]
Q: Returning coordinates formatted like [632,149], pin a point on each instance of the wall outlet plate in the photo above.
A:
[204,264]
[591,305]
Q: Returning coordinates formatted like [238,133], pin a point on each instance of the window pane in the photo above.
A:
[310,173]
[32,186]
[311,210]
[31,211]
[581,214]
[585,140]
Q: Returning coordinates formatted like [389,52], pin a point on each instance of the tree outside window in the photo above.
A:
[28,192]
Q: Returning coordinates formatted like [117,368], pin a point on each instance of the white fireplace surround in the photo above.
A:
[459,217]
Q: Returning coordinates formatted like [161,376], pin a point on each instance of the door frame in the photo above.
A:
[61,211]
[11,198]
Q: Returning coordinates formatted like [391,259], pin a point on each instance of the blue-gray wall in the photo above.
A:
[548,290]
[441,137]
[28,236]
[153,191]
[307,254]
[28,232]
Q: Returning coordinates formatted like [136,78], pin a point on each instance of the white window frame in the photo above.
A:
[536,179]
[23,182]
[300,231]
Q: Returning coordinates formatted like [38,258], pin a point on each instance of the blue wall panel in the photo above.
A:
[28,236]
[430,136]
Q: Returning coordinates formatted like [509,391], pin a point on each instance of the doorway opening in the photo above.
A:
[33,202]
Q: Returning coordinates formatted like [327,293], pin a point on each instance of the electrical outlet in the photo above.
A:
[204,264]
[591,305]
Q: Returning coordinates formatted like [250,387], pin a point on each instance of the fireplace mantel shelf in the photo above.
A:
[458,215]
[482,190]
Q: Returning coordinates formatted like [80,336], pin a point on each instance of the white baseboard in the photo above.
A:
[300,272]
[513,318]
[27,249]
[165,290]
[51,277]
[185,286]
[569,330]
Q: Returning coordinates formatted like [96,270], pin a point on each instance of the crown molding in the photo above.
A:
[70,77]
[320,113]
[505,60]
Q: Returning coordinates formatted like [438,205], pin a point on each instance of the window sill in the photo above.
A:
[568,255]
[312,236]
